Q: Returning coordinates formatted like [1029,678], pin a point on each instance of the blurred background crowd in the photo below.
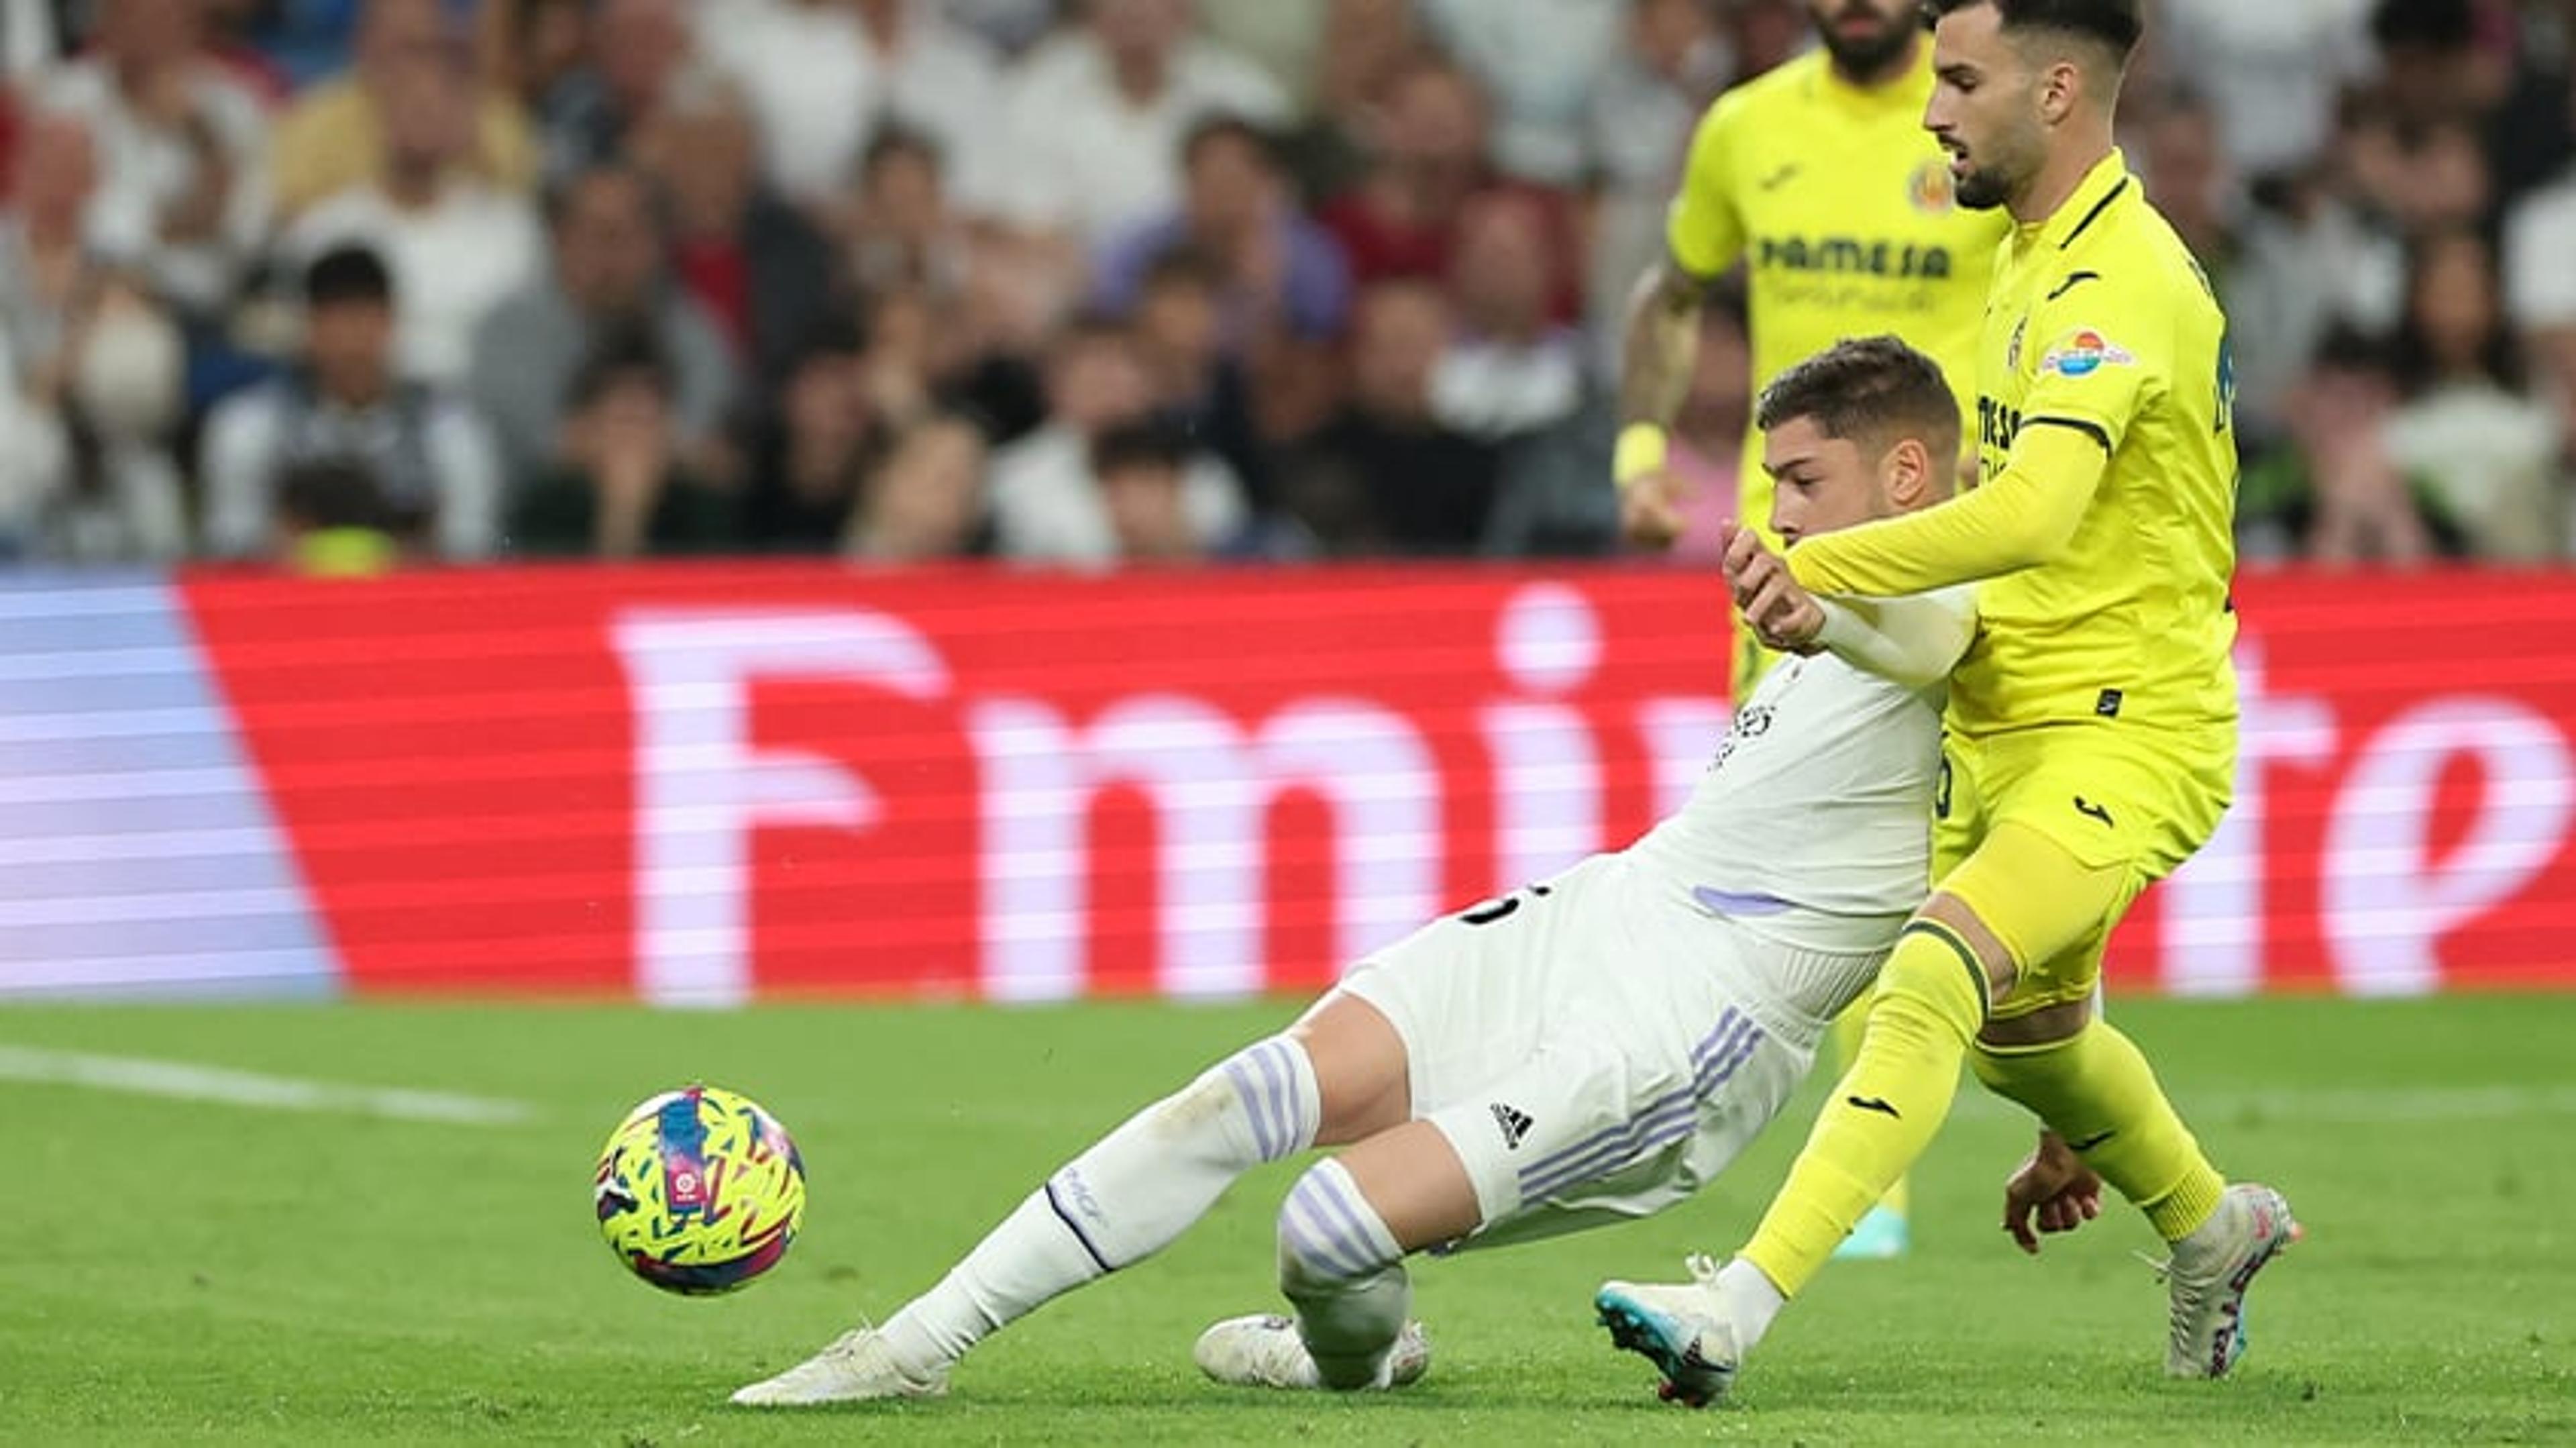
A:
[339,284]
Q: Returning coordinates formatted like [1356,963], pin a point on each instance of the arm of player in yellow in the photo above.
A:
[1702,230]
[2019,519]
[1913,641]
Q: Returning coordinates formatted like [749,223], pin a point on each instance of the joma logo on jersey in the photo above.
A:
[1850,254]
[1997,424]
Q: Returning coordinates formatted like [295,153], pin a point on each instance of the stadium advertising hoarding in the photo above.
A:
[707,784]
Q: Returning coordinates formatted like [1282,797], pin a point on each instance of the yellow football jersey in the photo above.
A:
[2104,332]
[1840,204]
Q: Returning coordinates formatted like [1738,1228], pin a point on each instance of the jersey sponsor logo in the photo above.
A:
[1515,1124]
[2083,354]
[1931,189]
[1998,423]
[1854,256]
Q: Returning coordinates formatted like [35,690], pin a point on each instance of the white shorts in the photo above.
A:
[1593,1049]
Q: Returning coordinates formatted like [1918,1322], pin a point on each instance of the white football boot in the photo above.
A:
[1683,1329]
[854,1368]
[2210,1270]
[1264,1351]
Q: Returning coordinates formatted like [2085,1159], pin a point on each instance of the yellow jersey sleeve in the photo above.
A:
[1703,231]
[2021,519]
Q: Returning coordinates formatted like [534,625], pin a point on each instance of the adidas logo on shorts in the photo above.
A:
[1514,1122]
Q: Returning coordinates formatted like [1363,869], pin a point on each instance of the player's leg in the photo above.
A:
[2090,1084]
[1339,1073]
[1344,1232]
[1886,1230]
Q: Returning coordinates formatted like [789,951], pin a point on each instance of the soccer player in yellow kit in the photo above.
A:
[2091,730]
[1820,177]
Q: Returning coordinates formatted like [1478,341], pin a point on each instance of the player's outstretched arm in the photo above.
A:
[1660,348]
[2019,519]
[1913,641]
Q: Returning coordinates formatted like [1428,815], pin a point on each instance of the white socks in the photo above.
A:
[1751,1301]
[1339,1264]
[1121,1201]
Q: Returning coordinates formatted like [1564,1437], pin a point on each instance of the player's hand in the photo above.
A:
[1647,514]
[1782,614]
[2053,1191]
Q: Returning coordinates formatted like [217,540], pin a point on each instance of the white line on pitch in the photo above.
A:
[181,1081]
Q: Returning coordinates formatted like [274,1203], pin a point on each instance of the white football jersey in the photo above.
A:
[1818,804]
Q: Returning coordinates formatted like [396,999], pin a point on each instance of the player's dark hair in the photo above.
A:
[1872,390]
[2113,24]
[1222,127]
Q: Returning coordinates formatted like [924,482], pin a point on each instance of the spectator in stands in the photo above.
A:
[334,139]
[1539,60]
[623,486]
[92,392]
[429,459]
[1276,269]
[1284,38]
[2540,287]
[182,190]
[1190,380]
[1138,468]
[1386,474]
[2271,72]
[1366,46]
[1045,505]
[1097,115]
[1428,157]
[457,243]
[629,56]
[2467,426]
[1510,369]
[2336,495]
[610,275]
[1636,134]
[811,453]
[757,266]
[925,500]
[333,521]
[821,74]
[2186,170]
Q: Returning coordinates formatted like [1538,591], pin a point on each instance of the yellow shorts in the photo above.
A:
[2049,833]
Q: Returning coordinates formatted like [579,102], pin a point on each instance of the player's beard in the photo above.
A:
[1869,55]
[1983,188]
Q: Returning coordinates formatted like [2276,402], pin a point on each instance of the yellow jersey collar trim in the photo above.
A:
[2106,183]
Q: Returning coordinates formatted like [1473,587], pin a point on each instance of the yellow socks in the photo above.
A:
[2098,1092]
[1931,1000]
[1849,1029]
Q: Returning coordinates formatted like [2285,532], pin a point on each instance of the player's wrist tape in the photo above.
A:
[1643,447]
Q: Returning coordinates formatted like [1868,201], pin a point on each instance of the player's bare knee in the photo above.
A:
[2037,1030]
[1362,1075]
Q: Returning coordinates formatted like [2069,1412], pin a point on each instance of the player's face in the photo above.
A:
[1821,483]
[1985,108]
[1865,37]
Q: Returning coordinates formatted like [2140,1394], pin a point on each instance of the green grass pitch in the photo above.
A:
[193,1271]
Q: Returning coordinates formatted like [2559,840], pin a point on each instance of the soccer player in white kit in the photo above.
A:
[1581,1051]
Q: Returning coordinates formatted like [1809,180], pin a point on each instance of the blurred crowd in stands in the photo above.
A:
[342,284]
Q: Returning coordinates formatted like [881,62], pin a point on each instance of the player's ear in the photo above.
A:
[2061,90]
[1905,474]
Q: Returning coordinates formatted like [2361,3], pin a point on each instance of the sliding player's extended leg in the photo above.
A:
[1338,1075]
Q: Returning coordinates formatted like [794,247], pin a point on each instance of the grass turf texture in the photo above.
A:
[178,1270]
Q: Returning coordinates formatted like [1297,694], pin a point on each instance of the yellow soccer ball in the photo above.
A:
[699,1191]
